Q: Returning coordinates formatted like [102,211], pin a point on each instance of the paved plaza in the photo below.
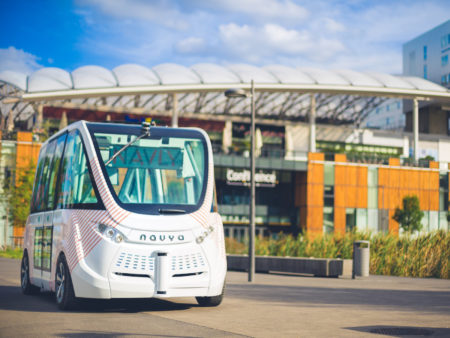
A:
[273,306]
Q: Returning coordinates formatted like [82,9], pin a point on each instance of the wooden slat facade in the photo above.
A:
[314,194]
[350,190]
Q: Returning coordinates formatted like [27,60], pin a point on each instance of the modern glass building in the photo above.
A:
[427,56]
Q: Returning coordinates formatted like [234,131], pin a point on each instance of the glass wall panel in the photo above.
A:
[372,177]
[372,182]
[426,221]
[328,174]
[361,219]
[443,222]
[328,220]
[434,221]
[372,220]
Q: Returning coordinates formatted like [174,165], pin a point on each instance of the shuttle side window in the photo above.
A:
[53,173]
[43,181]
[37,186]
[76,189]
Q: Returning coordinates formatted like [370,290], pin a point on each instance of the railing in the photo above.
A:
[262,153]
[366,158]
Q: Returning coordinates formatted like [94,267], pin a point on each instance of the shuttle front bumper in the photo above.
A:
[144,271]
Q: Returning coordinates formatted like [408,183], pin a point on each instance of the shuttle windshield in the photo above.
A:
[164,173]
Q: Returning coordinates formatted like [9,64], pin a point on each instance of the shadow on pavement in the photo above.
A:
[99,334]
[11,298]
[407,300]
[402,331]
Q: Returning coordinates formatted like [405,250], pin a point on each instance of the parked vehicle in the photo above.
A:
[125,211]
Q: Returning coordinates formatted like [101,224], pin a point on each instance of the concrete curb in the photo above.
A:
[320,267]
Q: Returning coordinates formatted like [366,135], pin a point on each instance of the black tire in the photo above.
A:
[211,301]
[25,284]
[64,294]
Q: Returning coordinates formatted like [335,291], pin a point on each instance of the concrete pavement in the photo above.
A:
[274,305]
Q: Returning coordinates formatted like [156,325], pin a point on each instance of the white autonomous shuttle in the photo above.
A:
[125,211]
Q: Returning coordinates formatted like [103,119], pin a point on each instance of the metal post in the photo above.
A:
[312,125]
[353,260]
[174,110]
[416,129]
[251,243]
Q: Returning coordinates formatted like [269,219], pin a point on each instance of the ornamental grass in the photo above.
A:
[424,255]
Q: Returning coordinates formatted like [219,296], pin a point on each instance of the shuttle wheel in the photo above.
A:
[64,294]
[211,301]
[26,286]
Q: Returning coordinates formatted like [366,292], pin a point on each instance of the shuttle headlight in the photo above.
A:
[111,233]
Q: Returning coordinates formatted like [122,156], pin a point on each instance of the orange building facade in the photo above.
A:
[24,156]
[338,196]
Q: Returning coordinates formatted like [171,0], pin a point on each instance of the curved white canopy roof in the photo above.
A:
[343,95]
[47,79]
[171,73]
[282,77]
[135,75]
[93,77]
[211,73]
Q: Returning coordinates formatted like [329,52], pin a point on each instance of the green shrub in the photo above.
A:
[426,255]
[12,253]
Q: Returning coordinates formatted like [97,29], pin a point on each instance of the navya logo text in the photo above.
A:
[162,238]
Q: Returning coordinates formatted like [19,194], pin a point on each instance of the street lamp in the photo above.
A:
[241,93]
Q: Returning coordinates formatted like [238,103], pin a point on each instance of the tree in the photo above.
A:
[19,190]
[410,216]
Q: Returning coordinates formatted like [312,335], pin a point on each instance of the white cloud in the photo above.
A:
[333,26]
[160,12]
[261,44]
[354,34]
[285,10]
[191,45]
[18,60]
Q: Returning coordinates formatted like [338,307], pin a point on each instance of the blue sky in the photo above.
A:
[353,34]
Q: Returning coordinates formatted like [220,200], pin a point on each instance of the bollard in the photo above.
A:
[361,259]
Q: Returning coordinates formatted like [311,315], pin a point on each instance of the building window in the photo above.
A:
[444,60]
[328,209]
[444,41]
[412,62]
[425,72]
[328,220]
[443,79]
[328,196]
[425,53]
[350,219]
[328,175]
